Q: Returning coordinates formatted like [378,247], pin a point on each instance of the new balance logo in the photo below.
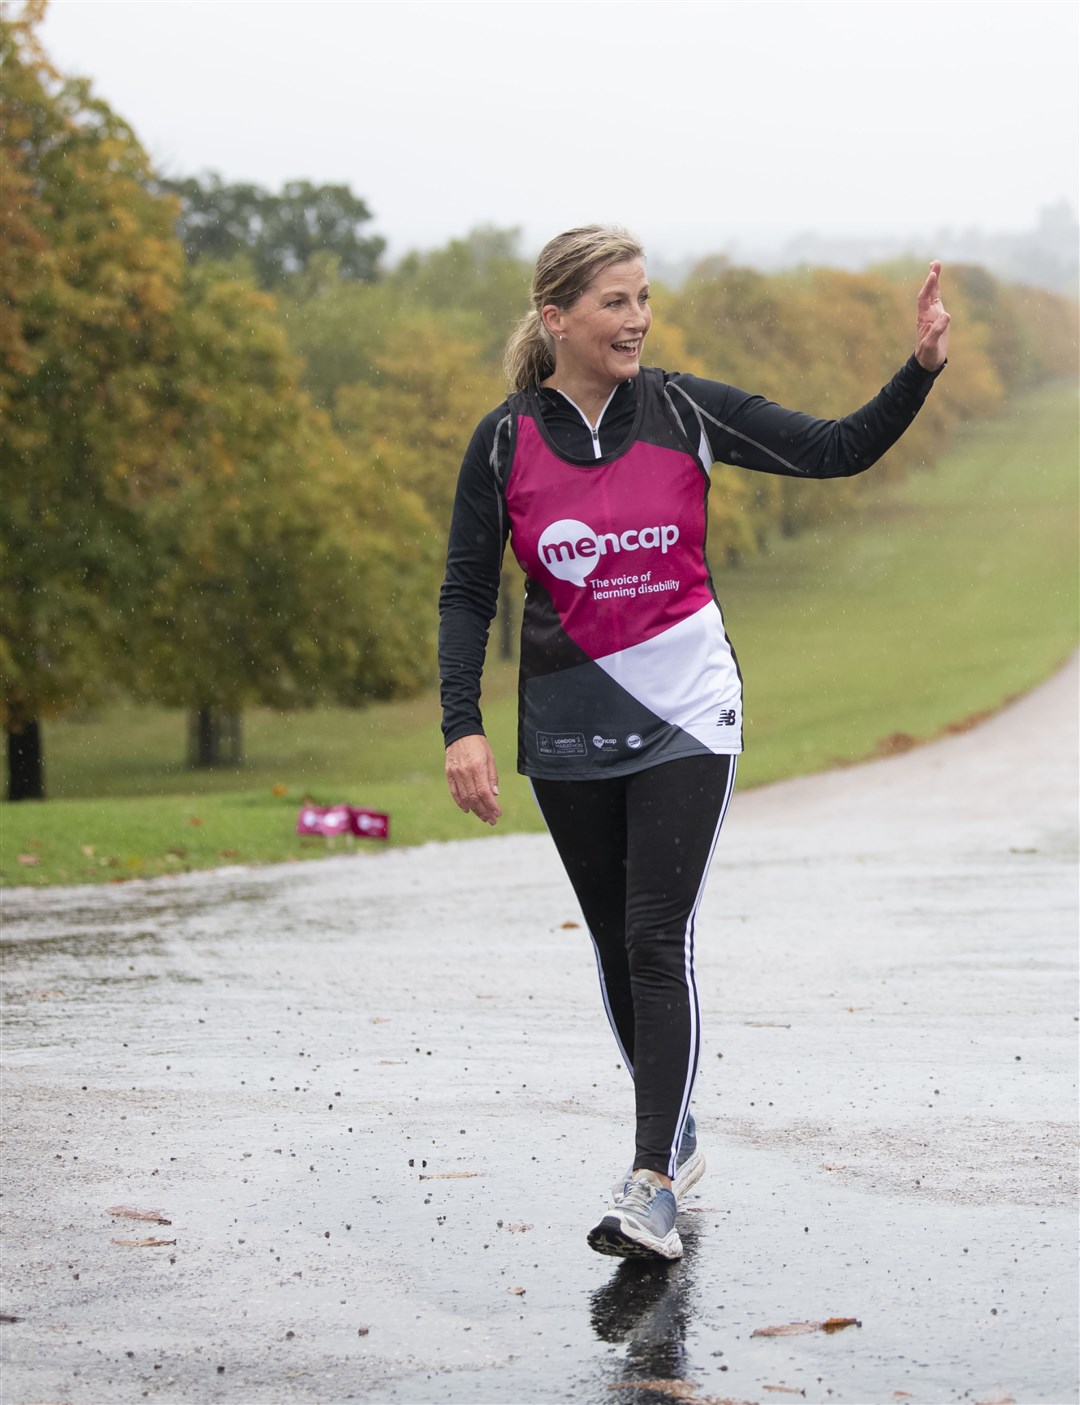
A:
[726,718]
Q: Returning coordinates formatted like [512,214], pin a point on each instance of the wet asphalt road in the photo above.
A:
[378,1104]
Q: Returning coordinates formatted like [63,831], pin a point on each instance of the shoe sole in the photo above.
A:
[612,1237]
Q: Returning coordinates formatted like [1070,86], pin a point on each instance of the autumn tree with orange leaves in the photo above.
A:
[178,520]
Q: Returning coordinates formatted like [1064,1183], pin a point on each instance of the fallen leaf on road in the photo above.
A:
[895,744]
[449,1175]
[143,1243]
[518,1228]
[569,926]
[798,1329]
[997,1397]
[518,1292]
[966,724]
[123,1213]
[785,1389]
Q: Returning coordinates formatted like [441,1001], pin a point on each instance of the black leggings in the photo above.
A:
[637,850]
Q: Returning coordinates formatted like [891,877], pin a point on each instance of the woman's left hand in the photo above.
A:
[932,326]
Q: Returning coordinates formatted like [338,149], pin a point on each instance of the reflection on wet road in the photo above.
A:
[648,1307]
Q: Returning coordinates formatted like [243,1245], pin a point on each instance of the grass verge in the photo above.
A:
[956,594]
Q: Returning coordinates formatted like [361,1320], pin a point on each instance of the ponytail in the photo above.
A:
[529,357]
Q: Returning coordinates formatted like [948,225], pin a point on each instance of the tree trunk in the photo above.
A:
[509,594]
[26,763]
[232,738]
[506,627]
[215,738]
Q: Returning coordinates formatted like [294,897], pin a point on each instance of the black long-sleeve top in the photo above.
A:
[721,423]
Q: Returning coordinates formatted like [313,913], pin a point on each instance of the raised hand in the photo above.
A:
[932,325]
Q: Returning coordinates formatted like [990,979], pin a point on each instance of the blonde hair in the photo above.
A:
[565,267]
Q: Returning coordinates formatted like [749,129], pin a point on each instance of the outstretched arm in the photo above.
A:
[750,432]
[932,326]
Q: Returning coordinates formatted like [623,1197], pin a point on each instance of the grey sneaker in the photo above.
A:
[689,1165]
[640,1223]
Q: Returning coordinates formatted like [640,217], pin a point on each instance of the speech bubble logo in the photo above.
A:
[570,550]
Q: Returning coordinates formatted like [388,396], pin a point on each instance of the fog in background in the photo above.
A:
[774,132]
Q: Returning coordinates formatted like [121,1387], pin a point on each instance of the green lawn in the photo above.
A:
[959,592]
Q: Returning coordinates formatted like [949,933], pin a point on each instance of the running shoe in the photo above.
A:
[689,1165]
[640,1223]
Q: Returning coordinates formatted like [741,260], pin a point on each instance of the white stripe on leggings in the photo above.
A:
[607,1006]
[691,982]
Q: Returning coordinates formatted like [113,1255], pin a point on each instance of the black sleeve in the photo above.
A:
[470,589]
[751,432]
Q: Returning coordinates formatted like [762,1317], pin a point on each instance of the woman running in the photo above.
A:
[630,699]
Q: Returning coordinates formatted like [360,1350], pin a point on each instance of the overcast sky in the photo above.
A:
[701,126]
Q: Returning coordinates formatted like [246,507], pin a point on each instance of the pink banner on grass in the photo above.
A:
[330,820]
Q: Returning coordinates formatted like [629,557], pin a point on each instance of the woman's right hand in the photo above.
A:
[472,777]
[932,323]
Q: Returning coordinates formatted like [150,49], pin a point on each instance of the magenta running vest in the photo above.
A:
[624,658]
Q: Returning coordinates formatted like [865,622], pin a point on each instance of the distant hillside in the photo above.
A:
[1047,256]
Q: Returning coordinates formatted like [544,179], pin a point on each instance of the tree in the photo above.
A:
[417,415]
[280,233]
[276,552]
[91,278]
[178,519]
[337,328]
[481,281]
[408,366]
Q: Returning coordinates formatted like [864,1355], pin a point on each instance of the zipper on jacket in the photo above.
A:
[598,453]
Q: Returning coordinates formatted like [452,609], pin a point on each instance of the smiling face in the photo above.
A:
[598,338]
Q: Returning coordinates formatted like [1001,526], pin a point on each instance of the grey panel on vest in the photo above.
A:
[579,724]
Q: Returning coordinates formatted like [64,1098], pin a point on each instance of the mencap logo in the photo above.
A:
[571,550]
